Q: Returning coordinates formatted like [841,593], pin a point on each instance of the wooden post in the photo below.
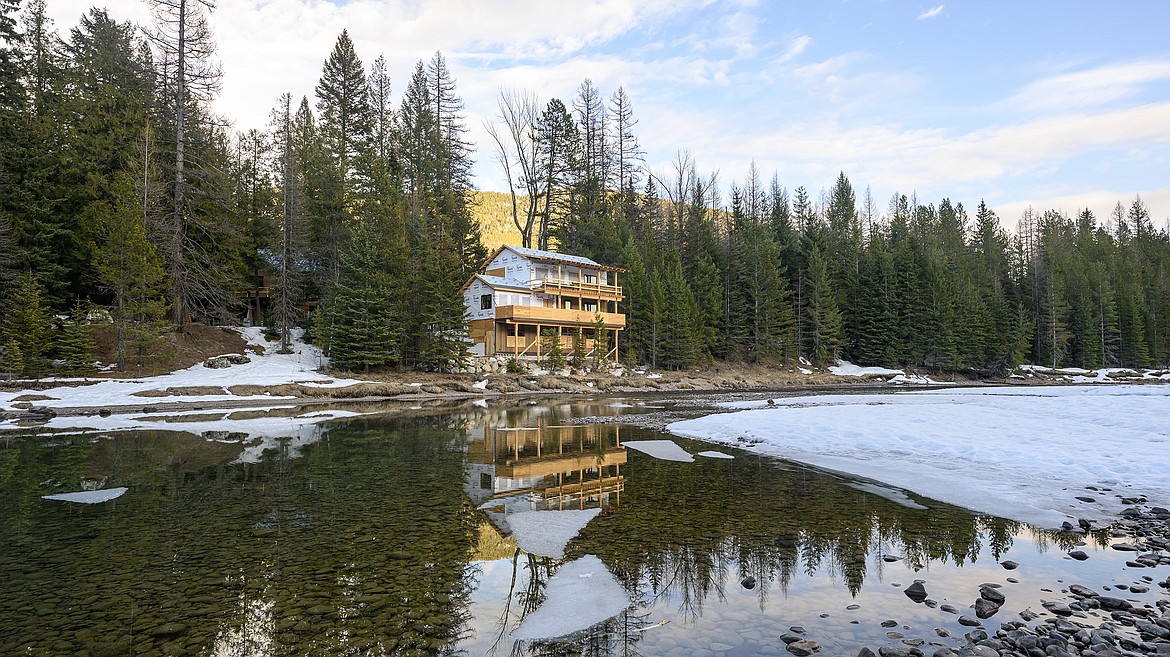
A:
[538,342]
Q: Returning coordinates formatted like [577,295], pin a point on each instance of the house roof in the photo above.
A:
[551,256]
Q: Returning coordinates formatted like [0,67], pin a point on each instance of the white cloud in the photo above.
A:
[794,49]
[931,13]
[1089,88]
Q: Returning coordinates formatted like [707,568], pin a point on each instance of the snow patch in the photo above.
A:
[845,368]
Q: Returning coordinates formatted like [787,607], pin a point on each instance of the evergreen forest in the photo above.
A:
[126,200]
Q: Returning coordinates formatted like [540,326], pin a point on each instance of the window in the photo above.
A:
[589,306]
[485,301]
[590,278]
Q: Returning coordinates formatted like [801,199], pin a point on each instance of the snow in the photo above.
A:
[580,595]
[845,368]
[1019,452]
[88,496]
[667,450]
[715,455]
[480,385]
[269,368]
[546,533]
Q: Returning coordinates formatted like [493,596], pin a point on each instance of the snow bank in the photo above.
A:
[269,368]
[546,533]
[666,450]
[845,368]
[1020,452]
[580,595]
[715,455]
[88,496]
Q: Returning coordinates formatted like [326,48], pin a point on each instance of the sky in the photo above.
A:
[1050,105]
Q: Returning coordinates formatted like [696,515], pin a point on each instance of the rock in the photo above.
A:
[1124,547]
[1113,604]
[1079,555]
[889,623]
[894,651]
[804,647]
[790,638]
[991,595]
[226,360]
[748,582]
[1009,565]
[967,621]
[1082,591]
[1058,608]
[891,558]
[984,651]
[944,652]
[916,591]
[950,609]
[865,652]
[985,608]
[1086,498]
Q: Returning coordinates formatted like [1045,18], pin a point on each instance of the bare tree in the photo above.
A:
[517,150]
[190,80]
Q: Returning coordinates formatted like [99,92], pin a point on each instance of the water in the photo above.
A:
[364,537]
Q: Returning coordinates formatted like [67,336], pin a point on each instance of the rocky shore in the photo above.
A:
[1080,620]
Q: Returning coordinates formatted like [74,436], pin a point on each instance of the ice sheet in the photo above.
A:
[1020,452]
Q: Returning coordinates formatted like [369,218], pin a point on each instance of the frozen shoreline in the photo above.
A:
[1024,453]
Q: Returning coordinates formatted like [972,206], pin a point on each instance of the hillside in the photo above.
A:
[493,212]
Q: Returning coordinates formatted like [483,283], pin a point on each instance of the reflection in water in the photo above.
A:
[364,538]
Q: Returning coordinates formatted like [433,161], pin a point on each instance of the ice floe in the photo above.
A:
[88,496]
[580,595]
[666,450]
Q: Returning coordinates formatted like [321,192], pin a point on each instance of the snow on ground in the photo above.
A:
[88,496]
[845,368]
[269,368]
[546,533]
[580,595]
[1018,452]
[666,450]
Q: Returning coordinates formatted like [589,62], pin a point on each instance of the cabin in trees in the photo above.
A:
[522,292]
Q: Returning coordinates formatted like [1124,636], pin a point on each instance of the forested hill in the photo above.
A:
[124,200]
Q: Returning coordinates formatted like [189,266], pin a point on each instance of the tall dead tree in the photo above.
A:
[190,80]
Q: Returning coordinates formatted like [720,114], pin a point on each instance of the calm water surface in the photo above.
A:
[381,535]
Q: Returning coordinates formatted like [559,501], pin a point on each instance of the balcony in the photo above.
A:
[542,315]
[576,288]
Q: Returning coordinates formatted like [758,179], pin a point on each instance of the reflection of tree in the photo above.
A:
[682,528]
[361,546]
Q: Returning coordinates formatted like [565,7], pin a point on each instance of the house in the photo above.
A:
[520,292]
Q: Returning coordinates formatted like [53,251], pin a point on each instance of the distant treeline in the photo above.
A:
[121,191]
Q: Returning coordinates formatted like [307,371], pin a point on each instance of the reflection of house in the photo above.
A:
[521,292]
[567,467]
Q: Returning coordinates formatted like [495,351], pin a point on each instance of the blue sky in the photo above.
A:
[1046,104]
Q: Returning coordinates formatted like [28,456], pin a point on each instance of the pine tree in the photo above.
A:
[75,344]
[26,323]
[362,316]
[601,346]
[550,345]
[824,318]
[131,271]
[678,345]
[577,360]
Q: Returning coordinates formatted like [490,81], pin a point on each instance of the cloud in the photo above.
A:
[794,49]
[1089,88]
[931,13]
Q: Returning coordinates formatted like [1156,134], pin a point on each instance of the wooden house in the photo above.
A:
[521,292]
